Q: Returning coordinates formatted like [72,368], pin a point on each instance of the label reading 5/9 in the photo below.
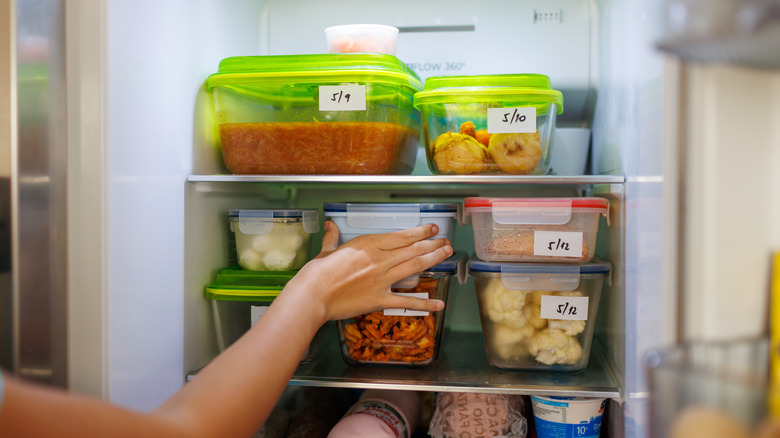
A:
[408,312]
[511,120]
[558,243]
[342,97]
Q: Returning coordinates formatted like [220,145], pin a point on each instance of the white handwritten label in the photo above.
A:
[342,97]
[558,243]
[256,312]
[511,120]
[408,312]
[559,307]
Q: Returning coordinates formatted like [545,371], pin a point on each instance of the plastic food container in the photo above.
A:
[538,316]
[562,230]
[489,124]
[273,240]
[356,38]
[557,417]
[356,219]
[316,114]
[402,337]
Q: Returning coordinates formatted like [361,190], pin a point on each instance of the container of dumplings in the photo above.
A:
[538,316]
[558,230]
[489,124]
[273,240]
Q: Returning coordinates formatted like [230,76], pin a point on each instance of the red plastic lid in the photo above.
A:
[599,203]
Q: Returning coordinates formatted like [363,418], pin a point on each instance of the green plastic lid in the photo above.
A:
[534,88]
[230,292]
[319,68]
[235,276]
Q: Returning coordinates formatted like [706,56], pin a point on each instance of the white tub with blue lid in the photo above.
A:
[538,316]
[273,239]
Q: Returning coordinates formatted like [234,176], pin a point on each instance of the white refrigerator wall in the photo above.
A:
[162,237]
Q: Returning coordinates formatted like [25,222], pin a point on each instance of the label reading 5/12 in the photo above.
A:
[558,243]
[559,307]
[511,120]
[408,312]
[342,97]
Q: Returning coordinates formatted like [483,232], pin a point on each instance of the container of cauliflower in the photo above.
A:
[274,239]
[489,123]
[538,316]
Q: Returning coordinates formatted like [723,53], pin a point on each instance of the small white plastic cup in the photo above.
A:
[362,38]
[569,154]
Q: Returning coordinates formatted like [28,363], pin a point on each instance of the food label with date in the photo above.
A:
[342,97]
[560,307]
[511,120]
[558,243]
[408,312]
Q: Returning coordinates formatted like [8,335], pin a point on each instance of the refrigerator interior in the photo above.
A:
[164,237]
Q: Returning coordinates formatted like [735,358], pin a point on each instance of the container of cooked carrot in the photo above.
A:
[346,113]
[489,124]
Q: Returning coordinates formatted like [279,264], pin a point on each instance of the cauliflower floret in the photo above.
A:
[262,242]
[509,342]
[555,347]
[503,305]
[278,260]
[533,314]
[568,327]
[250,260]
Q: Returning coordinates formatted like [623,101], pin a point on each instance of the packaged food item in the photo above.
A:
[469,414]
[381,413]
[316,114]
[489,124]
[558,417]
[535,229]
[275,239]
[357,38]
[398,336]
[538,315]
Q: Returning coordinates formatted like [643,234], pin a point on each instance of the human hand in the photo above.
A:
[355,278]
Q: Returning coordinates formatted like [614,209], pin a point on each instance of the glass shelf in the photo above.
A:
[462,366]
[415,179]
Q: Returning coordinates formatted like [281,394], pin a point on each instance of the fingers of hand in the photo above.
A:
[412,303]
[330,241]
[419,257]
[406,237]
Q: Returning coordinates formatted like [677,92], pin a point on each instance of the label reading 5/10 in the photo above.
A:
[511,120]
[342,97]
[558,243]
[408,312]
[570,308]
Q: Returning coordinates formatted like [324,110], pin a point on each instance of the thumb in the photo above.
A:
[330,241]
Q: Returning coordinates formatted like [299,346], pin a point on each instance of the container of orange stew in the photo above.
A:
[316,114]
[402,337]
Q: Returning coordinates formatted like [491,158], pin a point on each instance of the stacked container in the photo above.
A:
[398,337]
[538,284]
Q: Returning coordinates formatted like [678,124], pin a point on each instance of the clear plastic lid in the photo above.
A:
[519,89]
[539,276]
[262,221]
[321,68]
[550,211]
[388,215]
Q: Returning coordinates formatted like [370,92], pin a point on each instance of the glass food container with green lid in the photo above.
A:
[347,113]
[489,124]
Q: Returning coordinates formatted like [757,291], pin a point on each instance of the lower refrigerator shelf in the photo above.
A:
[461,367]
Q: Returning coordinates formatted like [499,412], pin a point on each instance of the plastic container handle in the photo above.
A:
[531,213]
[366,216]
[560,279]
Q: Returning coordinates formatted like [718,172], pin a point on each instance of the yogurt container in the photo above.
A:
[567,417]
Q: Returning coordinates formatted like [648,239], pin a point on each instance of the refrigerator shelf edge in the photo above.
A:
[415,179]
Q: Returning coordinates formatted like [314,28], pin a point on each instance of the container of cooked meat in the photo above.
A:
[402,337]
[561,230]
[273,239]
[489,124]
[538,316]
[348,113]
